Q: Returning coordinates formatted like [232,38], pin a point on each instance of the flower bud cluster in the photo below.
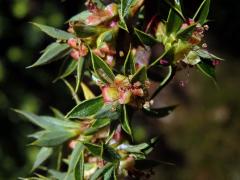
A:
[79,49]
[122,90]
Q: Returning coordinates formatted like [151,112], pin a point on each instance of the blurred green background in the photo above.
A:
[201,137]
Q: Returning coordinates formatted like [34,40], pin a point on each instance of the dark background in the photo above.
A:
[201,137]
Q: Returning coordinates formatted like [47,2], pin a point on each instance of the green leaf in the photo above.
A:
[79,170]
[80,71]
[125,7]
[164,82]
[100,172]
[174,22]
[95,149]
[54,138]
[109,154]
[57,113]
[102,69]
[159,112]
[202,12]
[98,124]
[71,67]
[107,111]
[122,24]
[54,52]
[106,36]
[47,122]
[53,32]
[140,75]
[135,148]
[84,31]
[129,64]
[57,174]
[74,94]
[42,156]
[125,122]
[185,34]
[145,38]
[176,6]
[206,55]
[86,108]
[82,16]
[109,174]
[207,69]
[140,148]
[36,135]
[74,159]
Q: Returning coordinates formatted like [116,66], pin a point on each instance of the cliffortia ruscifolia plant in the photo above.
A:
[106,45]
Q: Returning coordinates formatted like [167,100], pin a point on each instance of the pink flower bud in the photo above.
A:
[113,24]
[75,54]
[184,26]
[72,144]
[83,50]
[72,42]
